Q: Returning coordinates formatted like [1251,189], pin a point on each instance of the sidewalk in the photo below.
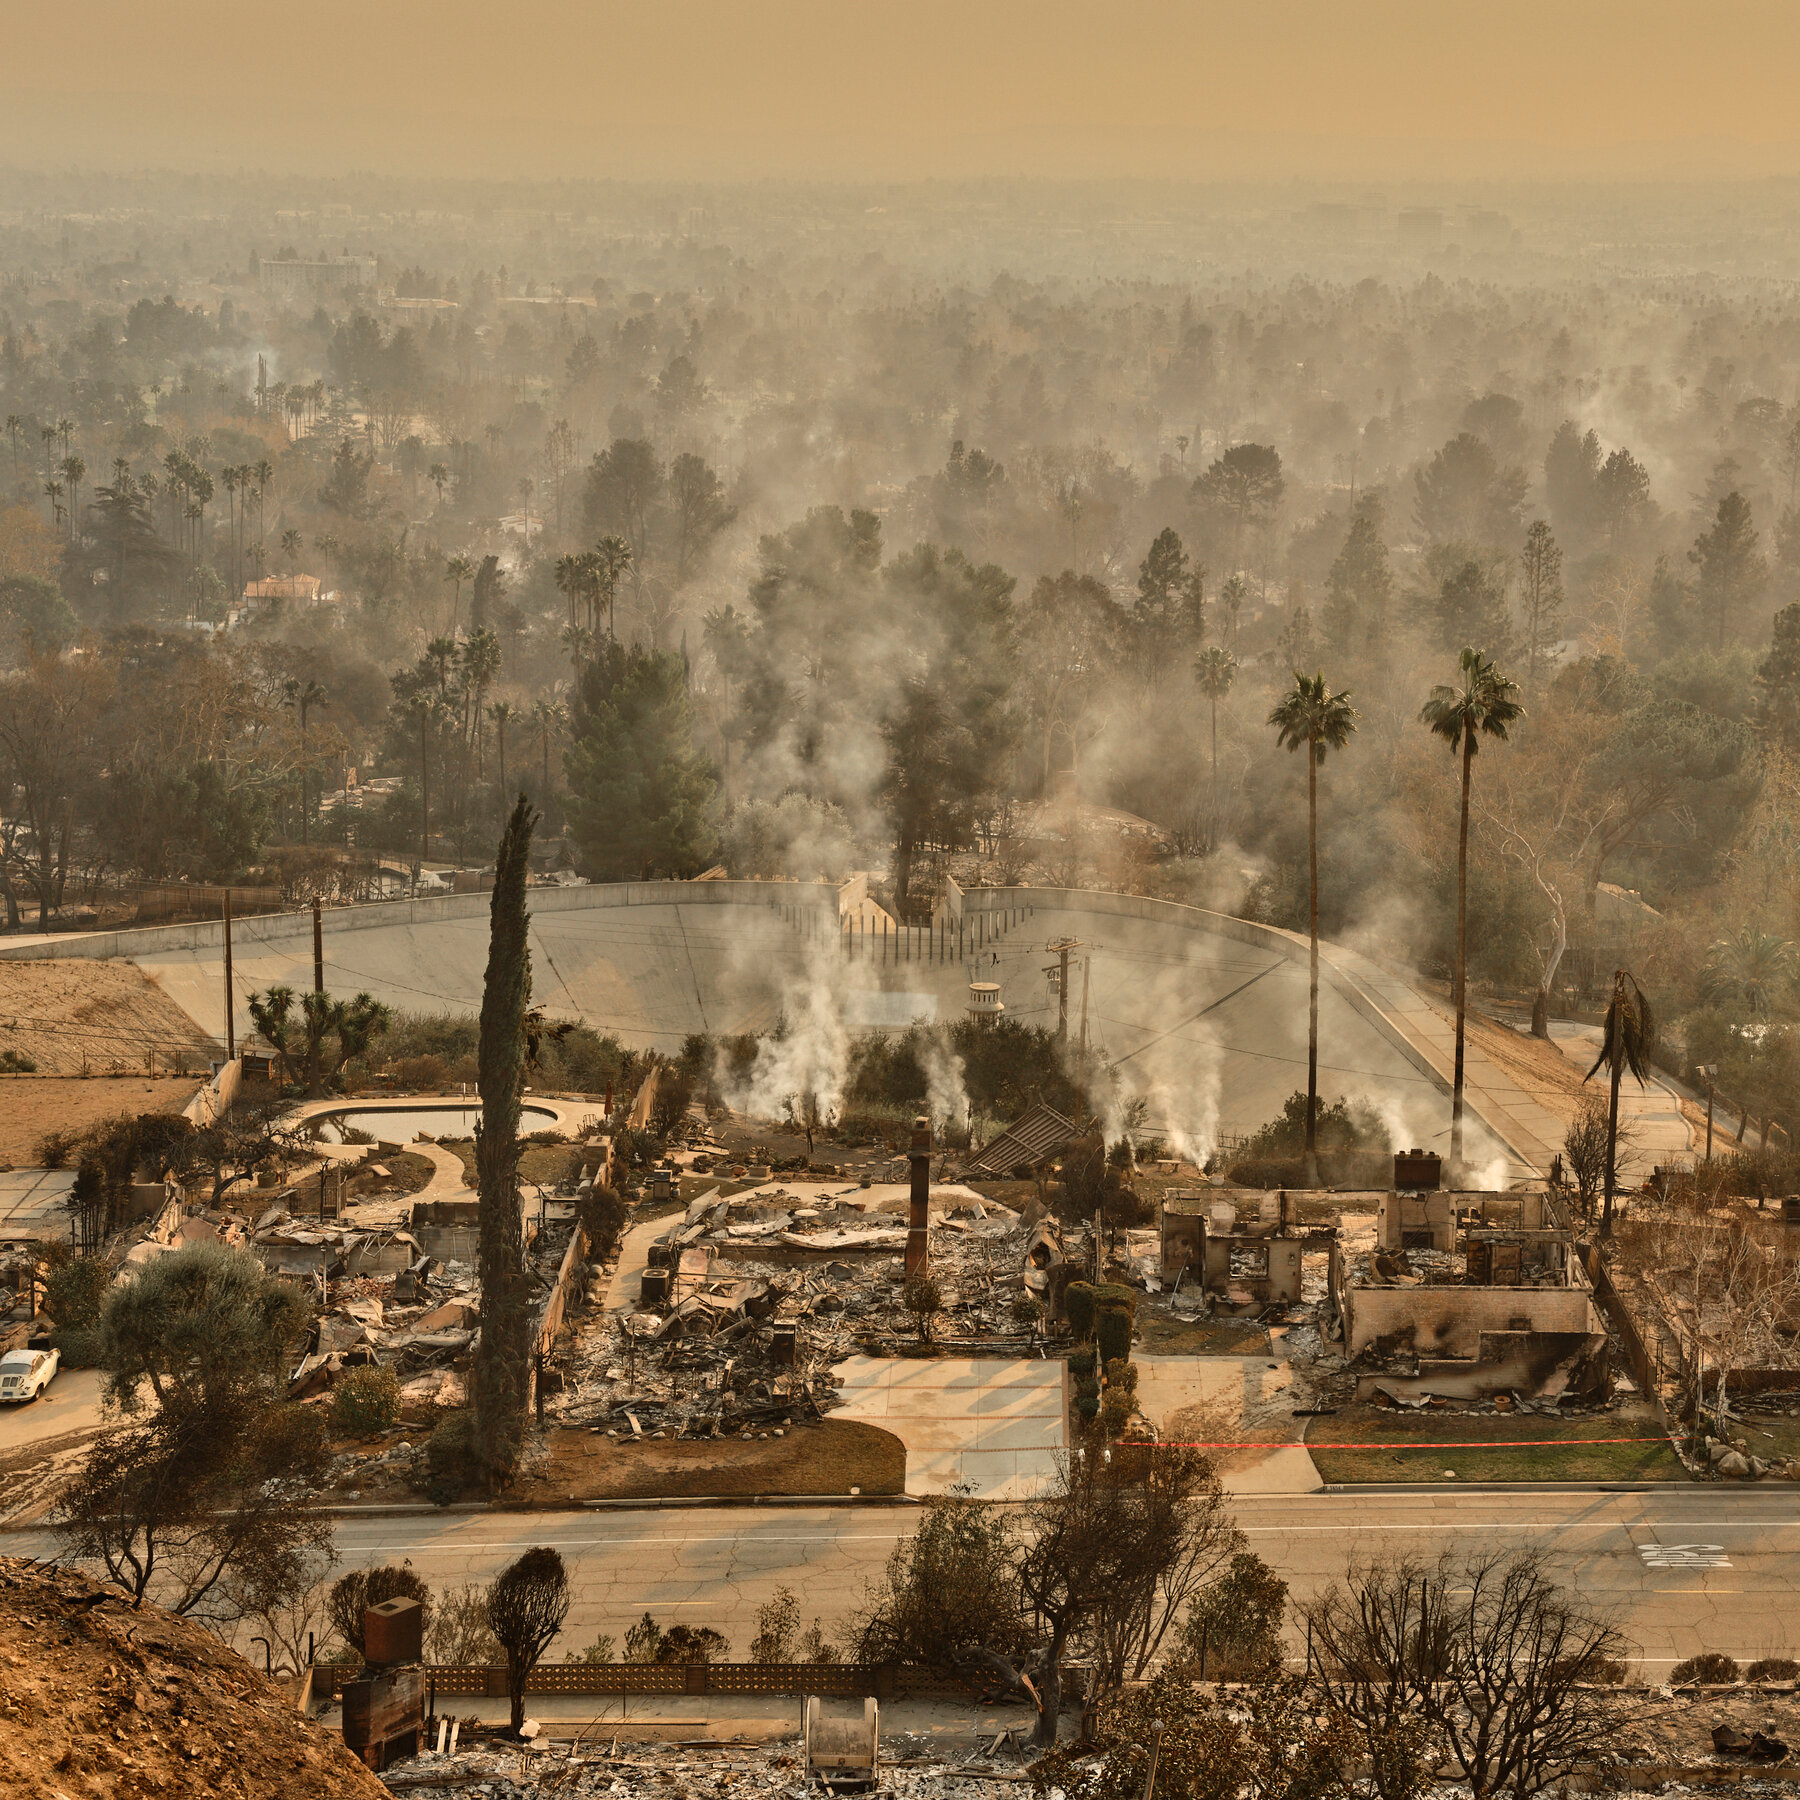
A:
[745,1718]
[1650,1112]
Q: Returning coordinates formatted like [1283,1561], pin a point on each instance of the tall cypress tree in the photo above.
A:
[503,1361]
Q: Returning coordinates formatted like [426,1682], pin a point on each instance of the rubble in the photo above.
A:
[701,1770]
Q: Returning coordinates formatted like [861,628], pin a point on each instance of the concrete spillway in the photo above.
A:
[1205,1015]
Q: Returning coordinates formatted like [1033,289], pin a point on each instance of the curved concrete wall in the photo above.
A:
[1204,1013]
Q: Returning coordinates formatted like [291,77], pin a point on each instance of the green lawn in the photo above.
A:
[1396,1448]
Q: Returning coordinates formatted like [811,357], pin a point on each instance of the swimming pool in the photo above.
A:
[401,1124]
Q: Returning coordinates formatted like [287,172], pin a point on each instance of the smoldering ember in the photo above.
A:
[906,909]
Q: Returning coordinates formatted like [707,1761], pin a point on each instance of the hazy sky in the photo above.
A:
[838,88]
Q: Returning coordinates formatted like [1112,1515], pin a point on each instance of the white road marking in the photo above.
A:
[1684,1556]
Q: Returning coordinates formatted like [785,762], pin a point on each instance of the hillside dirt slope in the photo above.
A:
[79,1015]
[98,1702]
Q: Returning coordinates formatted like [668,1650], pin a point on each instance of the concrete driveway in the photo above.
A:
[31,1203]
[995,1425]
[1246,1399]
[71,1403]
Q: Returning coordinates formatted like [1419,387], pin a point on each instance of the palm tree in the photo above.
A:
[1215,668]
[53,491]
[1741,970]
[303,697]
[421,707]
[458,569]
[613,561]
[577,639]
[74,473]
[502,712]
[1482,707]
[264,472]
[548,717]
[1310,714]
[14,426]
[439,477]
[290,547]
[1625,1043]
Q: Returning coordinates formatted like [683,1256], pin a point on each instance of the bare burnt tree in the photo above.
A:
[1483,1658]
[1111,1553]
[526,1607]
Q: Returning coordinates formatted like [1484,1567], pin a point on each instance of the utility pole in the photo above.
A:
[1709,1070]
[318,949]
[1087,970]
[1060,949]
[230,1026]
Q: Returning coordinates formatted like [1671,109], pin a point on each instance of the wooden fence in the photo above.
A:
[568,1278]
[1612,1303]
[851,1681]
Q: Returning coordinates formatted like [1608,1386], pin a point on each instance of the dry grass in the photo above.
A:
[828,1458]
[33,1105]
[80,1015]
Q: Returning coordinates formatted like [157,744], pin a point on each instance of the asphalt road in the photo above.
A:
[1685,1570]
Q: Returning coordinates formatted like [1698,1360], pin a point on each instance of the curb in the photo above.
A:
[1346,1488]
[649,1503]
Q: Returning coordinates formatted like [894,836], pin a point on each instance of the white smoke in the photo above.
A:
[946,1090]
[809,1061]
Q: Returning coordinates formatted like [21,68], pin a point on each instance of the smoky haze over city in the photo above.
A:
[907,898]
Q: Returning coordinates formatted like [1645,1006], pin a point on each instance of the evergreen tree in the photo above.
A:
[1571,479]
[1540,596]
[1360,588]
[1732,569]
[1471,608]
[1670,608]
[502,1372]
[640,792]
[1170,617]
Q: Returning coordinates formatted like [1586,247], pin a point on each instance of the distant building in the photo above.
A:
[329,278]
[299,590]
[1420,225]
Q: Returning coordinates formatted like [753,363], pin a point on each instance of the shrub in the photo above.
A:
[692,1644]
[1088,1405]
[1773,1668]
[599,1651]
[1081,1362]
[924,1300]
[1709,1670]
[74,1292]
[449,1457]
[1082,1304]
[1123,1376]
[1116,1408]
[458,1632]
[366,1401]
[603,1215]
[16,1062]
[420,1071]
[1236,1621]
[642,1640]
[56,1147]
[1112,1332]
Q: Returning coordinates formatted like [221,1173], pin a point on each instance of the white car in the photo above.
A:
[24,1374]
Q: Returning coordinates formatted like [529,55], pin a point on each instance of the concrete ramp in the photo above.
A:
[1203,1015]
